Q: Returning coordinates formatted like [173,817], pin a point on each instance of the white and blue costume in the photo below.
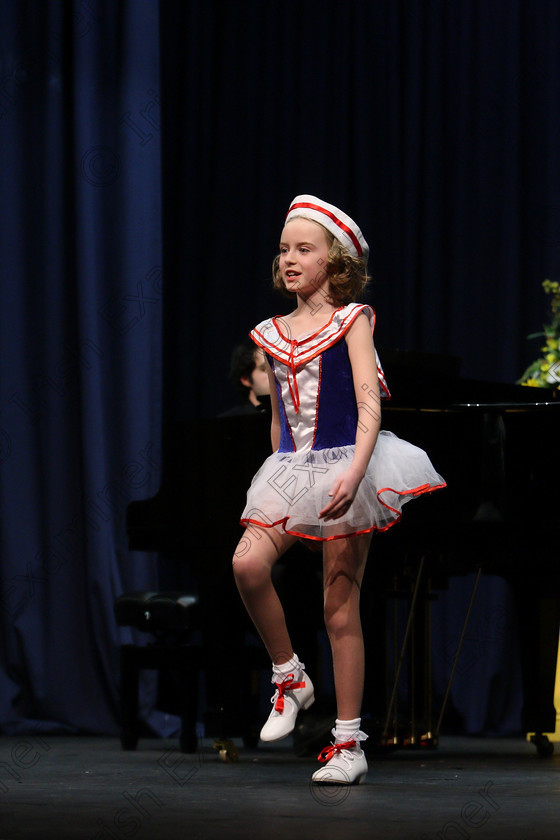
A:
[319,418]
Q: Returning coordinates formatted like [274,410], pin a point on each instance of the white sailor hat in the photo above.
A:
[338,223]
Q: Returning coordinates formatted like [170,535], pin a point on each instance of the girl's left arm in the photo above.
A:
[362,357]
[361,352]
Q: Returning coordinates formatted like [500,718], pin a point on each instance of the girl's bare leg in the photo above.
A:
[344,562]
[256,554]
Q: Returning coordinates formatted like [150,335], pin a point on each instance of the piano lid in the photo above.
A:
[430,381]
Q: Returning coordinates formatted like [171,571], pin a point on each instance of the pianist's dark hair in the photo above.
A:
[242,364]
[347,274]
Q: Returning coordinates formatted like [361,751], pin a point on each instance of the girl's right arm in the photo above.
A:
[275,422]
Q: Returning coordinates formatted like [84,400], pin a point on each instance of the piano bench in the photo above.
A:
[170,617]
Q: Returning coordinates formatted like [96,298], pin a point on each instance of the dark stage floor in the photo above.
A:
[69,788]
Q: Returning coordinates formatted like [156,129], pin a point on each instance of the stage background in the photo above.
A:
[148,153]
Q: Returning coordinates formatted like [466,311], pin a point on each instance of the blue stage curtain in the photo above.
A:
[80,342]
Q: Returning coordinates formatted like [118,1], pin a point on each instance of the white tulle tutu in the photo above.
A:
[291,488]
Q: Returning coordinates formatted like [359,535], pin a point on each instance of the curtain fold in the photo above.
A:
[81,347]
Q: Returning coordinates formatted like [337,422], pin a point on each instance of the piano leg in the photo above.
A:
[188,697]
[129,697]
[539,650]
[231,666]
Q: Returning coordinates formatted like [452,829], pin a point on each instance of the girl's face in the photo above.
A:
[304,250]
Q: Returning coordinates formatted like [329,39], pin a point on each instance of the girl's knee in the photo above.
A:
[250,572]
[336,620]
[341,614]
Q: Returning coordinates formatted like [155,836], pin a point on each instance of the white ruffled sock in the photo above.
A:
[348,730]
[292,666]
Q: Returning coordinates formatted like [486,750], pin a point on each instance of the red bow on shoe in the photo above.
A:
[286,685]
[327,752]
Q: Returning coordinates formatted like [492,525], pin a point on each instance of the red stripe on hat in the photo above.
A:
[336,220]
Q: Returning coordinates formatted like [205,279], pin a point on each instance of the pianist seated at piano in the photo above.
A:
[248,375]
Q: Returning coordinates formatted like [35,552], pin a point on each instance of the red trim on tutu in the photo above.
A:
[418,491]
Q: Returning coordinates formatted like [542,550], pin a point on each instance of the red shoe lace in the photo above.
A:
[328,752]
[286,685]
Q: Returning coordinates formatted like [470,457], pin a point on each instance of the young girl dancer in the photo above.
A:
[333,478]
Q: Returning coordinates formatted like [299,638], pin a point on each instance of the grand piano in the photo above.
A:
[495,444]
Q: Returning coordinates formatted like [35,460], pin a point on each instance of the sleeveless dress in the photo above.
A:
[319,417]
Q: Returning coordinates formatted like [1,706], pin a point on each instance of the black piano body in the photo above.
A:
[496,445]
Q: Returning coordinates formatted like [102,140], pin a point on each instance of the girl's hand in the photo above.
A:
[342,495]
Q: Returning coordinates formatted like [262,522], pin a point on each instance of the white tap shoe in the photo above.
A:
[290,696]
[344,764]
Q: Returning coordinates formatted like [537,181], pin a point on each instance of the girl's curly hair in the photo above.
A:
[347,275]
